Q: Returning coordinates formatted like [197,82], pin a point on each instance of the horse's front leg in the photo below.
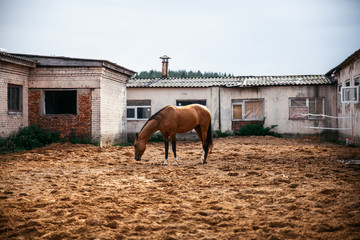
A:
[166,141]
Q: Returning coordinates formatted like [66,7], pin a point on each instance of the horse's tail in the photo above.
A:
[208,141]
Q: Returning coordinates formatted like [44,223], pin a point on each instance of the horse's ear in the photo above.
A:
[137,136]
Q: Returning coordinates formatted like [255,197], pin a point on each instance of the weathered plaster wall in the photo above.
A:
[161,97]
[348,73]
[276,106]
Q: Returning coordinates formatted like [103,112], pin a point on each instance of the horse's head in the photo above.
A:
[139,146]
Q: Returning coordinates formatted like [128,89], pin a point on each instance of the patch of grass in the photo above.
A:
[27,138]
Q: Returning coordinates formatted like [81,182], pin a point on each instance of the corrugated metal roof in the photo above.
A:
[241,81]
[285,80]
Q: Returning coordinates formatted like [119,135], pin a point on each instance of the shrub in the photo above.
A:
[220,134]
[256,130]
[80,139]
[27,138]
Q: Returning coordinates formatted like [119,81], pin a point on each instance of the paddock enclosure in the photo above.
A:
[251,188]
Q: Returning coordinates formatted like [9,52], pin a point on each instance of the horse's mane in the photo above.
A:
[153,117]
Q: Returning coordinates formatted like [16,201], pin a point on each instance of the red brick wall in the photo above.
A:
[236,125]
[64,123]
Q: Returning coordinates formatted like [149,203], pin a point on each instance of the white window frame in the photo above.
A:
[243,112]
[135,109]
[308,108]
[345,94]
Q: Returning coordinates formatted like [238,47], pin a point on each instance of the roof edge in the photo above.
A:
[61,61]
[353,56]
[8,57]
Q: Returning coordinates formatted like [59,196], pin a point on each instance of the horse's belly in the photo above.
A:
[185,128]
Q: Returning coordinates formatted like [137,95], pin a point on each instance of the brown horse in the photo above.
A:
[171,120]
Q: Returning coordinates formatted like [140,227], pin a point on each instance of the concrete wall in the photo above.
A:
[161,97]
[349,72]
[276,106]
[18,75]
[219,102]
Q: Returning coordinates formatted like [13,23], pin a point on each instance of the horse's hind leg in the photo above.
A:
[173,143]
[202,139]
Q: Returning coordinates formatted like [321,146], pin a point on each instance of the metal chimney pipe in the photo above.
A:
[165,66]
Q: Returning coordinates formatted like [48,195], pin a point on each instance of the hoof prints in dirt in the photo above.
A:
[252,188]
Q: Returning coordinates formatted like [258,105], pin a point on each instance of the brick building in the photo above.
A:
[82,96]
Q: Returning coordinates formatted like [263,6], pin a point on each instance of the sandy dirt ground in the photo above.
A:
[251,188]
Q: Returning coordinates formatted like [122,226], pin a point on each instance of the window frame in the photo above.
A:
[60,90]
[307,105]
[242,102]
[136,112]
[18,98]
[348,89]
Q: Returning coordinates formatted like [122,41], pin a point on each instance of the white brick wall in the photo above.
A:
[113,108]
[17,75]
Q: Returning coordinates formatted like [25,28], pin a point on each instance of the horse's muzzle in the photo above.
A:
[137,158]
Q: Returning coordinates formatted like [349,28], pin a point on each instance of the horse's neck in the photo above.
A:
[150,128]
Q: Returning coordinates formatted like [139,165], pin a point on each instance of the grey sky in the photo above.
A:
[243,37]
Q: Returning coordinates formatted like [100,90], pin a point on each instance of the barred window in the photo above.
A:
[15,98]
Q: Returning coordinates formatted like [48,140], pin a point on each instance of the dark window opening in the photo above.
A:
[130,113]
[14,98]
[188,102]
[60,102]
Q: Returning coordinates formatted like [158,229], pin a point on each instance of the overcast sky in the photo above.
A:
[242,37]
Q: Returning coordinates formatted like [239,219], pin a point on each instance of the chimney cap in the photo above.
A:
[165,57]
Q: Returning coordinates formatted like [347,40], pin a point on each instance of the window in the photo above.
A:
[248,109]
[300,108]
[138,112]
[14,98]
[188,102]
[61,102]
[138,109]
[350,94]
[356,81]
[339,95]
